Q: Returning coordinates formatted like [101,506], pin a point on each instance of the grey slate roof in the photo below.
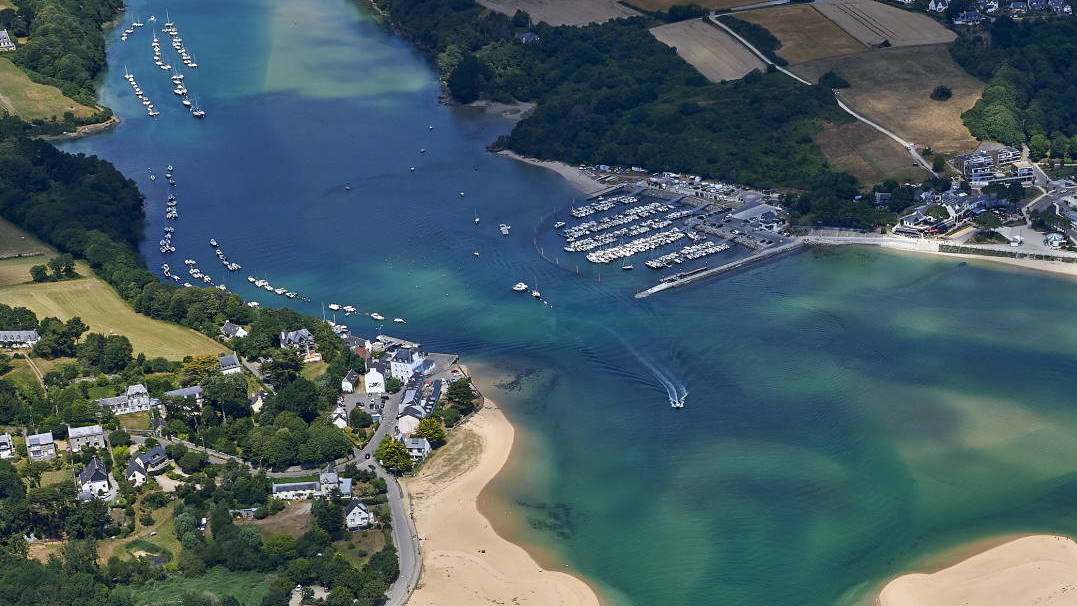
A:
[153,457]
[39,438]
[228,329]
[352,376]
[355,504]
[85,432]
[94,472]
[186,392]
[295,337]
[228,361]
[18,336]
[296,486]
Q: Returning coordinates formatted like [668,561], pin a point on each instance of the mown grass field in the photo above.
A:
[14,240]
[25,98]
[892,86]
[247,587]
[103,311]
[867,154]
[804,32]
[712,51]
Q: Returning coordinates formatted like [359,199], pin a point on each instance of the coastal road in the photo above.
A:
[909,147]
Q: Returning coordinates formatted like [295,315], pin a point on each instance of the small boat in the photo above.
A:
[461,194]
[504,229]
[377,316]
[400,320]
[153,177]
[280,291]
[422,150]
[349,308]
[250,279]
[628,267]
[536,294]
[347,188]
[291,295]
[678,402]
[268,287]
[221,287]
[519,287]
[152,18]
[198,113]
[333,306]
[476,216]
[476,253]
[213,242]
[559,225]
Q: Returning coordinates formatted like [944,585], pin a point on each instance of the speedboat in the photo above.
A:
[333,306]
[519,287]
[559,225]
[212,242]
[377,316]
[504,229]
[400,320]
[250,279]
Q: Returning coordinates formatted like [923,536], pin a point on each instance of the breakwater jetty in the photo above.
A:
[757,257]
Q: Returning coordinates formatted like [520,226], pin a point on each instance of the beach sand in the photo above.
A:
[464,559]
[1039,569]
[571,174]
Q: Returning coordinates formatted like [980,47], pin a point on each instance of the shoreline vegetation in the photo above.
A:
[1035,569]
[464,559]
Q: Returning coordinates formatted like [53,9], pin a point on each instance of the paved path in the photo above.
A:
[909,147]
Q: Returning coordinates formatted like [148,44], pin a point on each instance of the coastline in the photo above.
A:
[1033,569]
[85,130]
[571,174]
[464,560]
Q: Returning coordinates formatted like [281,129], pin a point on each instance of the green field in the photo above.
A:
[14,240]
[22,96]
[248,587]
[100,308]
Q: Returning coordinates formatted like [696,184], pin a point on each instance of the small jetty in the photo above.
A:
[688,277]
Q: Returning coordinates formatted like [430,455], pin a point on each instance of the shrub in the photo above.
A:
[941,93]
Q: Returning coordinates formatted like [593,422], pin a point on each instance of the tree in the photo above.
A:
[987,220]
[393,384]
[39,273]
[466,81]
[119,438]
[431,429]
[393,455]
[938,212]
[116,354]
[360,418]
[941,93]
[938,163]
[197,369]
[1038,146]
[832,80]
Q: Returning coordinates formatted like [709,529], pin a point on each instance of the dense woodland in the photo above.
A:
[1031,69]
[610,93]
[66,44]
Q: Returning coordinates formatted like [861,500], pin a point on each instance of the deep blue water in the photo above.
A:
[849,411]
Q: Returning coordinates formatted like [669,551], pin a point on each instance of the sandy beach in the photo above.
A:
[571,174]
[1039,569]
[464,559]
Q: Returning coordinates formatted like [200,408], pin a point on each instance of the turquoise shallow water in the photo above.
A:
[849,412]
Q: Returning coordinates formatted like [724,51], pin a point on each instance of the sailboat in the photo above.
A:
[476,215]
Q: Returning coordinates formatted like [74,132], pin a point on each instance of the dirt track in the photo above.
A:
[710,50]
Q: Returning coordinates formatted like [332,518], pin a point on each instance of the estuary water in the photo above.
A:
[850,412]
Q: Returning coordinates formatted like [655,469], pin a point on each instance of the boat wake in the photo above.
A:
[676,391]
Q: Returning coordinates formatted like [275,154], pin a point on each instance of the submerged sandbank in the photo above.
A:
[464,560]
[1038,569]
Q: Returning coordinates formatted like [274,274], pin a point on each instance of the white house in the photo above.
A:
[5,41]
[141,466]
[135,399]
[229,364]
[232,331]
[938,6]
[356,515]
[349,382]
[93,480]
[418,448]
[408,421]
[291,491]
[375,381]
[40,446]
[89,436]
[403,363]
[18,339]
[7,447]
[339,416]
[257,401]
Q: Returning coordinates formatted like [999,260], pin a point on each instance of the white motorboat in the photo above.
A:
[377,316]
[333,306]
[519,287]
[504,229]
[253,304]
[250,279]
[400,320]
[476,253]
[535,293]
[213,242]
[559,225]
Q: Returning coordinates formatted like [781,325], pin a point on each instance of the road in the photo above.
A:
[909,147]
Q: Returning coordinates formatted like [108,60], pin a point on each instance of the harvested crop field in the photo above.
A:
[872,22]
[867,154]
[804,32]
[892,86]
[663,5]
[712,51]
[563,12]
